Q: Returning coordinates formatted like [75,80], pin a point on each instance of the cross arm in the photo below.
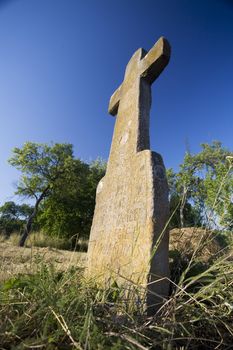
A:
[114,102]
[155,60]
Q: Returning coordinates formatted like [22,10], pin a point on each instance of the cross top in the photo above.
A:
[132,101]
[147,65]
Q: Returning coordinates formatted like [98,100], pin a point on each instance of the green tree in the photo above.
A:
[13,216]
[69,210]
[205,181]
[41,166]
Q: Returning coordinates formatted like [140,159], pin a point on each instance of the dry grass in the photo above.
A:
[39,248]
[51,309]
[204,242]
[41,239]
[15,260]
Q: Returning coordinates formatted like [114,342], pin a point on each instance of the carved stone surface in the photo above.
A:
[128,240]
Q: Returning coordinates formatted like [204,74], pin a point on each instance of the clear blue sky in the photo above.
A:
[60,61]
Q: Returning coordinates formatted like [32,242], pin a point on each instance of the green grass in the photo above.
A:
[61,310]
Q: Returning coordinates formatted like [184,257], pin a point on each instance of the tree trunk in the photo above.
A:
[181,215]
[28,225]
[23,238]
[182,205]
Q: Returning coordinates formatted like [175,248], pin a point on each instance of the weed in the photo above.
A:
[51,309]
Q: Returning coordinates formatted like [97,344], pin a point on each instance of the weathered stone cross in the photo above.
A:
[128,240]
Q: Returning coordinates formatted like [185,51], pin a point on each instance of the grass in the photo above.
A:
[15,260]
[53,309]
[40,239]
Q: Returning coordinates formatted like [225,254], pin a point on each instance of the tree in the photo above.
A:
[191,215]
[72,202]
[205,180]
[13,216]
[41,166]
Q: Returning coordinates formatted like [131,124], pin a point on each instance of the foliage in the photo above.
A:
[63,188]
[41,167]
[72,202]
[203,187]
[13,217]
[58,310]
[191,214]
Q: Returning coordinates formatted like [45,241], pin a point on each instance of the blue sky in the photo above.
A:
[60,61]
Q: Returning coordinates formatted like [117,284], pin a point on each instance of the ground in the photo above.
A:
[50,310]
[14,260]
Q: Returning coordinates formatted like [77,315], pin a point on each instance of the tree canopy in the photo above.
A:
[68,211]
[62,187]
[13,217]
[204,183]
[41,165]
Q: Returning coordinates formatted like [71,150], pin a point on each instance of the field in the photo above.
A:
[46,303]
[14,260]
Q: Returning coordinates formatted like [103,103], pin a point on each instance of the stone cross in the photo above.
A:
[129,240]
